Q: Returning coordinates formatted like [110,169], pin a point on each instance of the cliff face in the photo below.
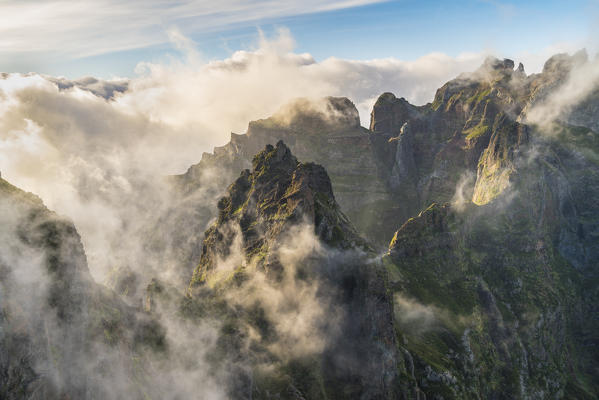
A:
[488,288]
[279,234]
[493,294]
[488,308]
[278,194]
[474,141]
[53,317]
[475,127]
[427,150]
[326,132]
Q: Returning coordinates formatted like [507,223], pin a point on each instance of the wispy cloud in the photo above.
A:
[507,10]
[92,27]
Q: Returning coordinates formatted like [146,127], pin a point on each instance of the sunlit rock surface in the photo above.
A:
[448,252]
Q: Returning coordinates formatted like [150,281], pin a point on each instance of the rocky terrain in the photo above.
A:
[292,237]
[54,318]
[448,252]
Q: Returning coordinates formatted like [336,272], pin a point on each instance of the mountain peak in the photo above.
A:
[492,63]
[274,158]
[563,62]
[311,116]
[263,204]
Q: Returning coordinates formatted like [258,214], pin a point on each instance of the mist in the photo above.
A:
[103,153]
[99,150]
[556,100]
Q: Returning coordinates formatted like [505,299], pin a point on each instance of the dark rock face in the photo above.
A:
[505,266]
[427,150]
[474,127]
[277,194]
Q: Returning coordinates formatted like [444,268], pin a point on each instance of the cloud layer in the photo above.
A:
[566,94]
[98,150]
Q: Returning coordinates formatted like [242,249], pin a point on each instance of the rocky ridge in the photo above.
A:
[488,288]
[53,316]
[326,132]
[262,210]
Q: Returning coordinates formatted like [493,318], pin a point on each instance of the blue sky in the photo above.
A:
[410,29]
[106,38]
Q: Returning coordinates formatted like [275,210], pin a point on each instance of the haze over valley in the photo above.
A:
[299,216]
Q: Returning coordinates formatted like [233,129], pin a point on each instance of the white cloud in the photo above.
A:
[89,27]
[414,316]
[534,61]
[578,85]
[94,159]
[253,84]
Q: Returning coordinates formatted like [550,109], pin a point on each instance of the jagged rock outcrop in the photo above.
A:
[278,194]
[475,126]
[493,296]
[259,219]
[485,309]
[327,132]
[448,136]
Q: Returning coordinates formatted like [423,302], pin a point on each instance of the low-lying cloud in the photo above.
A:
[98,150]
[568,93]
[414,316]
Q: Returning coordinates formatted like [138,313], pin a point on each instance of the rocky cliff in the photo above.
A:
[54,319]
[493,286]
[488,308]
[487,289]
[280,233]
[494,293]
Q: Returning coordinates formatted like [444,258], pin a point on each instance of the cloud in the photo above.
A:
[92,27]
[414,316]
[463,191]
[301,313]
[98,150]
[272,75]
[563,95]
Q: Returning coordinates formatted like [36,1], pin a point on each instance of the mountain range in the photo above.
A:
[447,252]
